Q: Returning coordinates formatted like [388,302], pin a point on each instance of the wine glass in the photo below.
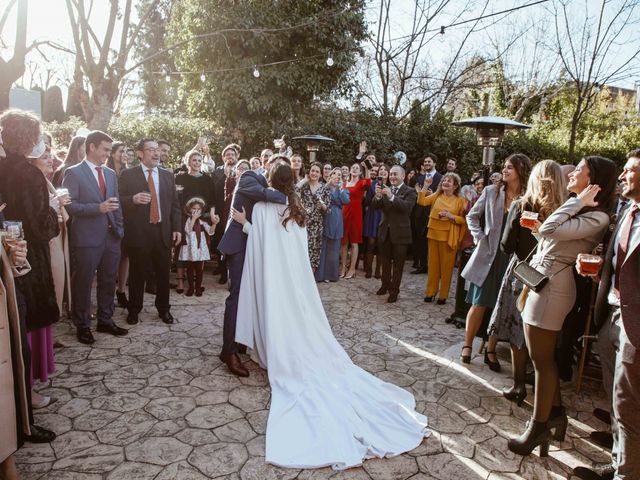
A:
[13,233]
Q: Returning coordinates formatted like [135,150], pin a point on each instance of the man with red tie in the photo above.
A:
[152,225]
[617,310]
[95,233]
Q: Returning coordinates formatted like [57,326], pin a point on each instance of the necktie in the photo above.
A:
[103,186]
[154,215]
[623,245]
[394,190]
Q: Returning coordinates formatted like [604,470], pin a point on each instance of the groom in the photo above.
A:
[252,188]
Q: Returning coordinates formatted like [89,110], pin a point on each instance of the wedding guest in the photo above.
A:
[576,227]
[478,184]
[315,201]
[546,191]
[485,269]
[446,229]
[21,130]
[345,173]
[326,172]
[59,253]
[24,189]
[75,154]
[118,163]
[219,178]
[372,218]
[496,178]
[616,313]
[152,220]
[194,251]
[420,214]
[394,235]
[255,164]
[328,267]
[190,184]
[96,237]
[297,166]
[358,183]
[452,165]
[265,155]
[164,149]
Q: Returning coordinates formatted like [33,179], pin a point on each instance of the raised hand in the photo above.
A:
[588,195]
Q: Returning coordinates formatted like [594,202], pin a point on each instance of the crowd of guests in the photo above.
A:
[100,209]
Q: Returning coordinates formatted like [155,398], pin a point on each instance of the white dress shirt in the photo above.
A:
[156,180]
[635,231]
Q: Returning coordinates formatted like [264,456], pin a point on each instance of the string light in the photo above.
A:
[330,59]
[441,38]
[203,77]
[167,78]
[256,72]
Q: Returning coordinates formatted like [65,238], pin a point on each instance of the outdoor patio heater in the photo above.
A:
[313,142]
[489,134]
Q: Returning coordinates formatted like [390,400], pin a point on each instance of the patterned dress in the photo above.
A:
[315,217]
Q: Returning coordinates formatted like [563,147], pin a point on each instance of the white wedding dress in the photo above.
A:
[325,410]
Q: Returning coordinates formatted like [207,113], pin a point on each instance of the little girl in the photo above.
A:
[194,250]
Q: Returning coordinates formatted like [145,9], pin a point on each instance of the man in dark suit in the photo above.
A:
[617,311]
[252,188]
[219,178]
[95,234]
[420,214]
[152,225]
[394,233]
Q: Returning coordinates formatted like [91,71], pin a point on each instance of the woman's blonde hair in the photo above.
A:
[546,189]
[187,157]
[456,182]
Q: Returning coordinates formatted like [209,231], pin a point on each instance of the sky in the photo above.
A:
[48,20]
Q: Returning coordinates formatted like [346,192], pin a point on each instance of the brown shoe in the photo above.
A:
[234,364]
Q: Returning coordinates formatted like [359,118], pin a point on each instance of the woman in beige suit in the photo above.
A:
[576,227]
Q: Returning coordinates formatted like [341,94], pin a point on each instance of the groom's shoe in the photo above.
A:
[234,364]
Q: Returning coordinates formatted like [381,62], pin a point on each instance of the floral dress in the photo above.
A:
[315,216]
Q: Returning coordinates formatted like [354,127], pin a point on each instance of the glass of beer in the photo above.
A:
[529,219]
[13,233]
[589,264]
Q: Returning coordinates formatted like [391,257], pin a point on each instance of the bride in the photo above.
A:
[325,410]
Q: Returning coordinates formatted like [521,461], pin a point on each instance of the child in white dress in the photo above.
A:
[194,250]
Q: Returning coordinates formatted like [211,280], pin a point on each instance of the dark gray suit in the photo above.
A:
[95,242]
[394,234]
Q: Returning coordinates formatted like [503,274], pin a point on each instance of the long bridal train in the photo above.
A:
[325,410]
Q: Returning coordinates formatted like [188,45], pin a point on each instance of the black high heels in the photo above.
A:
[466,358]
[559,422]
[516,394]
[536,434]
[493,366]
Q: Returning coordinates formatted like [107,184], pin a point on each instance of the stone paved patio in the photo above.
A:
[158,404]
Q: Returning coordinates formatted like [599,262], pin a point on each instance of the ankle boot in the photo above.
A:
[517,393]
[537,433]
[558,421]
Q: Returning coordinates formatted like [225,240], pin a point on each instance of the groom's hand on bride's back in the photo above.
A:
[240,217]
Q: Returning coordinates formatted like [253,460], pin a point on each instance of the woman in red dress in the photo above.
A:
[358,184]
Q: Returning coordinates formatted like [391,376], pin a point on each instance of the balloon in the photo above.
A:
[401,157]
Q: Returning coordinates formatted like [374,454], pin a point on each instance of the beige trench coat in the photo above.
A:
[10,326]
[59,250]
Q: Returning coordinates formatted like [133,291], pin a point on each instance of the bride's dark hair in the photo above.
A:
[281,178]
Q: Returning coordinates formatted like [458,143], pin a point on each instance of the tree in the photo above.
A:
[299,35]
[596,49]
[103,67]
[12,69]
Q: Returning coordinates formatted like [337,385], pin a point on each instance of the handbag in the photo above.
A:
[531,277]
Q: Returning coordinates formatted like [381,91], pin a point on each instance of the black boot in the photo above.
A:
[558,421]
[517,393]
[537,433]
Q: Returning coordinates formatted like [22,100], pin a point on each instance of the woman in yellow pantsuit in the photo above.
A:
[447,225]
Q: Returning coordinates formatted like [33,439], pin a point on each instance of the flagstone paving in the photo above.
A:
[158,403]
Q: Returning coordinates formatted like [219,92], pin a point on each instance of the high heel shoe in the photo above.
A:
[516,394]
[466,358]
[351,275]
[558,421]
[180,290]
[493,366]
[537,433]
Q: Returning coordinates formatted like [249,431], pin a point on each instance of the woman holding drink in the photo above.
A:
[546,191]
[576,227]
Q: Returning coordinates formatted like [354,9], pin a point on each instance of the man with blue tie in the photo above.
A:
[95,234]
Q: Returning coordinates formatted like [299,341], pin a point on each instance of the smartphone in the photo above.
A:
[368,164]
[380,180]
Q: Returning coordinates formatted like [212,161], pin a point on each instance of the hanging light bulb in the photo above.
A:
[256,72]
[441,38]
[203,77]
[167,78]
[330,59]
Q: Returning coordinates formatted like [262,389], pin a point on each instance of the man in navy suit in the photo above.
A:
[95,234]
[252,188]
[420,215]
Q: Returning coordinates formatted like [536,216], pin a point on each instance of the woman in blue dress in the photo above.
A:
[372,219]
[329,266]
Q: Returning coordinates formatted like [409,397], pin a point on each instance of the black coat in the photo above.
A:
[24,189]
